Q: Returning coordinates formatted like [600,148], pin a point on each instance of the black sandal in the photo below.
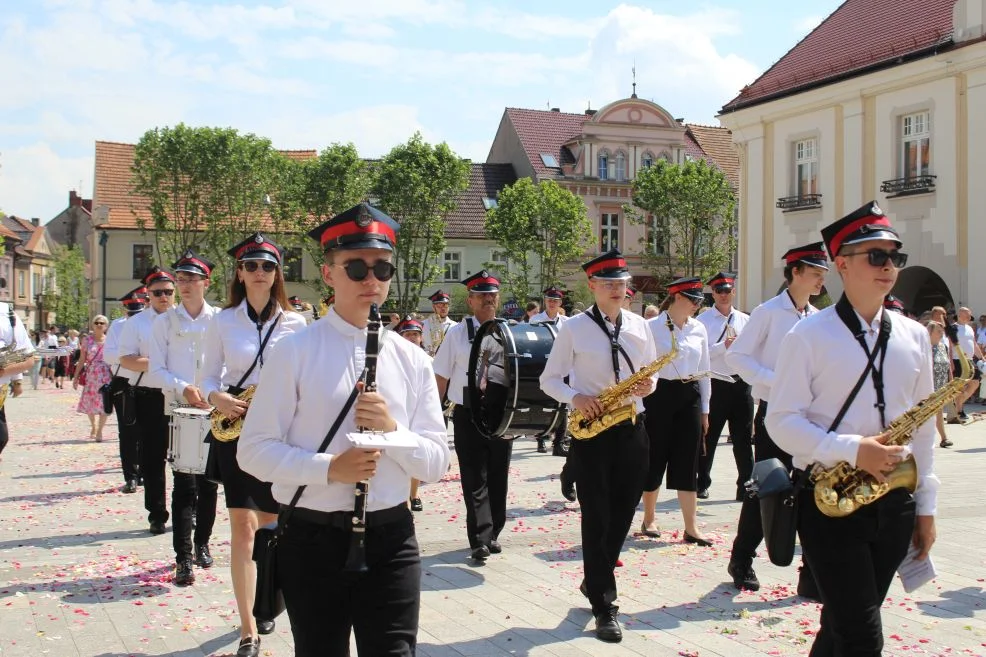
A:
[249,647]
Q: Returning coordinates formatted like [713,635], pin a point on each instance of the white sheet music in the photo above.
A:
[383,441]
[913,573]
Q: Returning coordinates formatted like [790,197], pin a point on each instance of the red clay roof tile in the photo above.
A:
[543,131]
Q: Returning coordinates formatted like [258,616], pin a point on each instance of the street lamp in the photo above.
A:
[39,299]
[104,237]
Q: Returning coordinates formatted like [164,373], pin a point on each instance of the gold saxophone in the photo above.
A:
[614,398]
[9,355]
[437,334]
[842,489]
[225,429]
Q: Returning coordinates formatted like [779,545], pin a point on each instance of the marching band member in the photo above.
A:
[678,409]
[483,463]
[854,558]
[308,376]
[133,302]
[411,330]
[152,422]
[890,302]
[174,364]
[436,326]
[597,349]
[554,314]
[12,332]
[238,341]
[754,356]
[730,402]
[631,293]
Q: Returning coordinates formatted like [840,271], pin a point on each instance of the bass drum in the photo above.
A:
[504,390]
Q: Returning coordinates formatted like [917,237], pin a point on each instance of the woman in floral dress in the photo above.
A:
[941,363]
[97,374]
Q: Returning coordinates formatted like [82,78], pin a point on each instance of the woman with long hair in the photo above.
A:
[237,341]
[97,374]
[942,369]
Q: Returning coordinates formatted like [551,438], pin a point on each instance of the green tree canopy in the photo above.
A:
[67,292]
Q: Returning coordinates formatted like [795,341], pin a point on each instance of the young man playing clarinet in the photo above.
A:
[306,382]
[854,557]
[597,349]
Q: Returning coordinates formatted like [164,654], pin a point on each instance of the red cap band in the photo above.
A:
[351,228]
[872,220]
[253,246]
[482,281]
[159,276]
[197,263]
[685,287]
[792,258]
[614,263]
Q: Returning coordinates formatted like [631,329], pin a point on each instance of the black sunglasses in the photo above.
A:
[251,266]
[879,257]
[358,270]
[163,293]
[99,323]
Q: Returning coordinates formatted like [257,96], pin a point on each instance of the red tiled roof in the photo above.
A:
[717,143]
[542,131]
[485,181]
[857,36]
[6,232]
[113,189]
[32,242]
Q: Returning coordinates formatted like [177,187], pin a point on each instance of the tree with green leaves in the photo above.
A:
[687,210]
[418,185]
[540,227]
[66,294]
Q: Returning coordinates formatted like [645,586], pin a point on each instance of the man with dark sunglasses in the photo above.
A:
[152,422]
[818,416]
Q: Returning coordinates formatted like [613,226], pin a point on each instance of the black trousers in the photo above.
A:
[192,495]
[4,435]
[324,602]
[854,560]
[129,435]
[152,425]
[674,425]
[609,473]
[730,403]
[484,466]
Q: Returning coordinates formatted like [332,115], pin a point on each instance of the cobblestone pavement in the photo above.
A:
[80,574]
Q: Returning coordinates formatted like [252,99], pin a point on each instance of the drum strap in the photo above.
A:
[614,340]
[470,329]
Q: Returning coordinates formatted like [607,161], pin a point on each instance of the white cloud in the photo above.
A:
[35,180]
[807,24]
[374,130]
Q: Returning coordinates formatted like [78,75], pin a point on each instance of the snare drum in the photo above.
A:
[187,449]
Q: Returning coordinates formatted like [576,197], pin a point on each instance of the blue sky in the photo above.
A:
[306,73]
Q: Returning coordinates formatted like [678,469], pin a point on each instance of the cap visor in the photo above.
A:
[364,244]
[815,263]
[259,255]
[874,236]
[691,294]
[613,276]
[190,269]
[723,288]
[483,289]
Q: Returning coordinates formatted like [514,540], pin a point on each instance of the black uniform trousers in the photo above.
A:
[609,472]
[854,560]
[324,601]
[129,434]
[674,427]
[484,466]
[730,403]
[193,495]
[152,424]
[4,435]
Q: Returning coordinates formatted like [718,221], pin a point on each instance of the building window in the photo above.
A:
[603,166]
[21,291]
[143,260]
[609,231]
[292,264]
[452,261]
[657,236]
[621,167]
[498,261]
[549,160]
[647,160]
[489,203]
[36,283]
[915,156]
[806,167]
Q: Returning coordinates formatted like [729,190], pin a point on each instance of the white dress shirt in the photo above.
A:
[543,317]
[232,342]
[754,353]
[715,326]
[309,376]
[431,328]
[111,348]
[981,336]
[967,340]
[135,340]
[819,362]
[452,359]
[693,352]
[16,335]
[584,354]
[177,349]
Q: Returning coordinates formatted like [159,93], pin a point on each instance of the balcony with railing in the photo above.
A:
[803,202]
[908,186]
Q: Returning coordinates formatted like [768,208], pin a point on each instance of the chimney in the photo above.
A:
[555,109]
[35,221]
[74,199]
[968,20]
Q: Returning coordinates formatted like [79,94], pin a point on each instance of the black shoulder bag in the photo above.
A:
[779,490]
[269,601]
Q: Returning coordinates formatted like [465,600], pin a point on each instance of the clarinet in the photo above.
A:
[356,559]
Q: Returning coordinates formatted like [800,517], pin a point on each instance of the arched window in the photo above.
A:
[621,166]
[647,160]
[603,165]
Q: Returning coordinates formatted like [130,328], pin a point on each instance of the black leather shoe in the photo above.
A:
[650,533]
[542,447]
[157,528]
[743,576]
[416,504]
[202,557]
[249,647]
[482,553]
[697,541]
[567,487]
[184,575]
[703,494]
[583,590]
[495,547]
[265,626]
[558,448]
[130,486]
[608,627]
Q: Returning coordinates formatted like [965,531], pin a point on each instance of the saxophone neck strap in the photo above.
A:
[848,316]
[725,327]
[470,329]
[259,358]
[614,340]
